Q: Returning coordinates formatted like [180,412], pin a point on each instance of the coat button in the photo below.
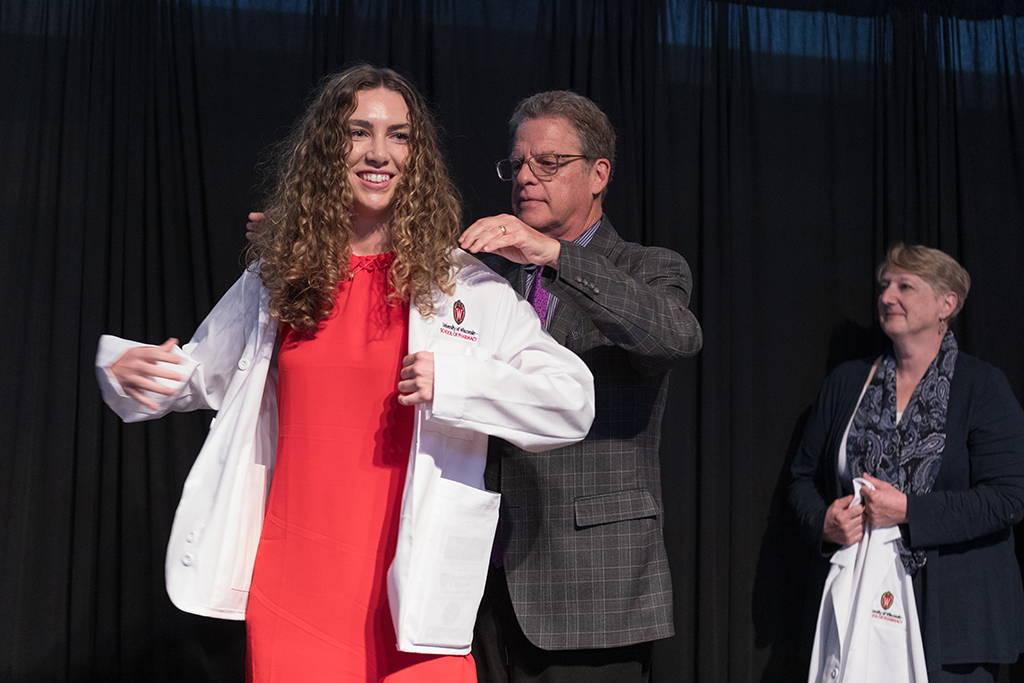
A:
[243,364]
[187,559]
[191,538]
[596,290]
[835,672]
[579,279]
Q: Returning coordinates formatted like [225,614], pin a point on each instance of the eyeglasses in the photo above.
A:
[541,165]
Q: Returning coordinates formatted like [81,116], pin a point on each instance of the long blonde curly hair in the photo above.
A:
[302,250]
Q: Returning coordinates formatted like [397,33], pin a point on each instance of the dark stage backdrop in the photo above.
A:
[779,147]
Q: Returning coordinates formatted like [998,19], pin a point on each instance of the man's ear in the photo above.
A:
[599,176]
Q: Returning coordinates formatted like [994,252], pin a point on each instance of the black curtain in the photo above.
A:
[779,146]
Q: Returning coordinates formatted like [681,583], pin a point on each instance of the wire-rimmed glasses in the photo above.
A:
[541,165]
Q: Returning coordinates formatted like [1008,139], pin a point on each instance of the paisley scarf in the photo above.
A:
[907,455]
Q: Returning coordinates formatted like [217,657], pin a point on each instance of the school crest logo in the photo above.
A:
[459,311]
[887,600]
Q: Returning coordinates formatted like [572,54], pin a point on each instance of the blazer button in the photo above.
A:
[596,290]
[579,279]
[243,364]
[191,538]
[187,559]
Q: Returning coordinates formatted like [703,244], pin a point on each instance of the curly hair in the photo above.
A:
[303,249]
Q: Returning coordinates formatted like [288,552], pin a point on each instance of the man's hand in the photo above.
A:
[137,369]
[417,385]
[885,506]
[508,236]
[844,524]
[254,225]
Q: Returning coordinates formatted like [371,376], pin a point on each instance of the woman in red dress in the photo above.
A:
[362,224]
[344,427]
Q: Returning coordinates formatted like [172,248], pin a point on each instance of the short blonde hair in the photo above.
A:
[937,268]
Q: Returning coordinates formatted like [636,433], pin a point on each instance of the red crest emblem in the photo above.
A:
[459,311]
[887,600]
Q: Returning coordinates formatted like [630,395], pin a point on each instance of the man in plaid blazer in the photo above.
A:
[580,584]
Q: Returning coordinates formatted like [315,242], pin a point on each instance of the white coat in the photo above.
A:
[495,373]
[868,628]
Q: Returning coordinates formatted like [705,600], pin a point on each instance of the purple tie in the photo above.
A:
[539,298]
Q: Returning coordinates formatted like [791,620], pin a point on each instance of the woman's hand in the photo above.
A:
[885,506]
[844,523]
[417,385]
[138,367]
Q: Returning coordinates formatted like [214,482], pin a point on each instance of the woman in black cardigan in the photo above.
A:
[940,435]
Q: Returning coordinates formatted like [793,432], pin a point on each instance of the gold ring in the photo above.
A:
[503,231]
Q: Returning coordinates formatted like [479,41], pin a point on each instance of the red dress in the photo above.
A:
[318,607]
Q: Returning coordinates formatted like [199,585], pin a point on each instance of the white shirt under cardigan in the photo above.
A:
[495,373]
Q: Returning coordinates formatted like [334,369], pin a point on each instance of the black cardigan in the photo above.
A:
[969,595]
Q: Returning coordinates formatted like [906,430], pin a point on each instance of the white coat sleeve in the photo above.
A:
[529,390]
[208,360]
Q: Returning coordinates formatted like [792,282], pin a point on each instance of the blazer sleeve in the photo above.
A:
[639,302]
[208,360]
[528,390]
[807,494]
[813,485]
[994,499]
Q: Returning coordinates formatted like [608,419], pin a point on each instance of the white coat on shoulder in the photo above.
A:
[496,373]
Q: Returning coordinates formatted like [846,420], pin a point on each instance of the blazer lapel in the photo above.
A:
[510,270]
[518,281]
[565,320]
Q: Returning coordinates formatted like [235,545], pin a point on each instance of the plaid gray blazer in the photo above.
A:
[581,526]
